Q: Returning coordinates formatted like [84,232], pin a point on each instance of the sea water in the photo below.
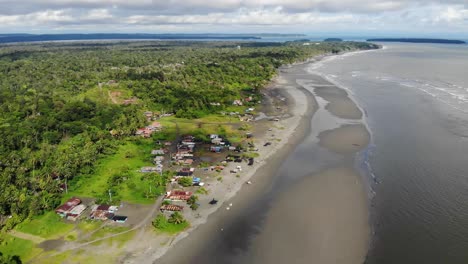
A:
[415,98]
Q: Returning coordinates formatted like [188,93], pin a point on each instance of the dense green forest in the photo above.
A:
[56,117]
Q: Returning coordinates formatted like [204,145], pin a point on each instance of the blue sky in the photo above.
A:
[317,17]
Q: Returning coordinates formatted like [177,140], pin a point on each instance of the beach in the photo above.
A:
[331,202]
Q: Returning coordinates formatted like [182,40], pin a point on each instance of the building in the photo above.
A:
[177,195]
[171,208]
[65,208]
[76,212]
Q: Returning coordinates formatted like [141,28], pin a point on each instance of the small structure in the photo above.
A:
[65,208]
[102,212]
[76,212]
[119,219]
[177,195]
[171,208]
[158,152]
[150,169]
[216,141]
[216,149]
[185,172]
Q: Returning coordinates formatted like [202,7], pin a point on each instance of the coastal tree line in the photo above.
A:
[56,117]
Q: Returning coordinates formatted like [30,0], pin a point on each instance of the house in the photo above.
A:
[216,149]
[217,141]
[100,212]
[213,136]
[158,152]
[232,148]
[120,219]
[76,212]
[185,172]
[167,143]
[171,208]
[248,99]
[148,115]
[65,208]
[158,159]
[144,132]
[177,195]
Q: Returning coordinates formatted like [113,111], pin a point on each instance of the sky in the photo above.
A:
[311,17]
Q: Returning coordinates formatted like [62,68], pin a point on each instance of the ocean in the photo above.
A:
[415,97]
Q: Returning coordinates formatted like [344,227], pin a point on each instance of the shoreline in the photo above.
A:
[302,106]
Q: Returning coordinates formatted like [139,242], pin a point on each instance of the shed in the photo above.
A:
[119,219]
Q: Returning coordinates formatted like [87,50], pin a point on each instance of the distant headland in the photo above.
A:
[9,38]
[418,40]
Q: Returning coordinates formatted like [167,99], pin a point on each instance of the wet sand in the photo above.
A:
[347,139]
[331,229]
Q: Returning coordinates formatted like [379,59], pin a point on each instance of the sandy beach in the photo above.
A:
[323,238]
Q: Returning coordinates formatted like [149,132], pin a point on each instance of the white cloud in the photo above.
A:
[242,15]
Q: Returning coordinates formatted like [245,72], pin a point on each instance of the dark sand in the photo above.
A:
[331,229]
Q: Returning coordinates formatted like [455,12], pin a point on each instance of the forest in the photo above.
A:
[60,114]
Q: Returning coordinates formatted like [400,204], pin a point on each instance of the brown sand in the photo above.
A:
[346,139]
[332,229]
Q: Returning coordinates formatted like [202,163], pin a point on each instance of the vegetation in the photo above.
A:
[185,181]
[175,224]
[63,126]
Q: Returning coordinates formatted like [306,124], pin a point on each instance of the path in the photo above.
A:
[143,223]
[33,238]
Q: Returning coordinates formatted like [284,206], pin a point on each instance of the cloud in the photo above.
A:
[243,15]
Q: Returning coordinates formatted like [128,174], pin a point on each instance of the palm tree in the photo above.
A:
[176,218]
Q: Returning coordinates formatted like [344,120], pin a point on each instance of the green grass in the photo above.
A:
[128,159]
[25,249]
[46,226]
[174,229]
[89,226]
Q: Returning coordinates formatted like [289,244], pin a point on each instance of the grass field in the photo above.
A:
[47,226]
[125,163]
[25,249]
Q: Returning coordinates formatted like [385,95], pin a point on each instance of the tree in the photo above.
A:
[176,218]
[160,222]
[185,181]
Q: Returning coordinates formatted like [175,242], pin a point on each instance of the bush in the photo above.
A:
[186,181]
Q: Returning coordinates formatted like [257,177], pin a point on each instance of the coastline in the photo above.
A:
[302,106]
[291,130]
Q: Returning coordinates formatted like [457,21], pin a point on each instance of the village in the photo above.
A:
[194,163]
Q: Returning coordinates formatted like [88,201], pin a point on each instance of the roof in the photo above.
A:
[120,218]
[172,207]
[68,205]
[77,210]
[103,207]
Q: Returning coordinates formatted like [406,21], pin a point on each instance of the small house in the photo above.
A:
[158,152]
[65,208]
[171,208]
[217,141]
[177,195]
[149,169]
[119,219]
[216,149]
[76,212]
